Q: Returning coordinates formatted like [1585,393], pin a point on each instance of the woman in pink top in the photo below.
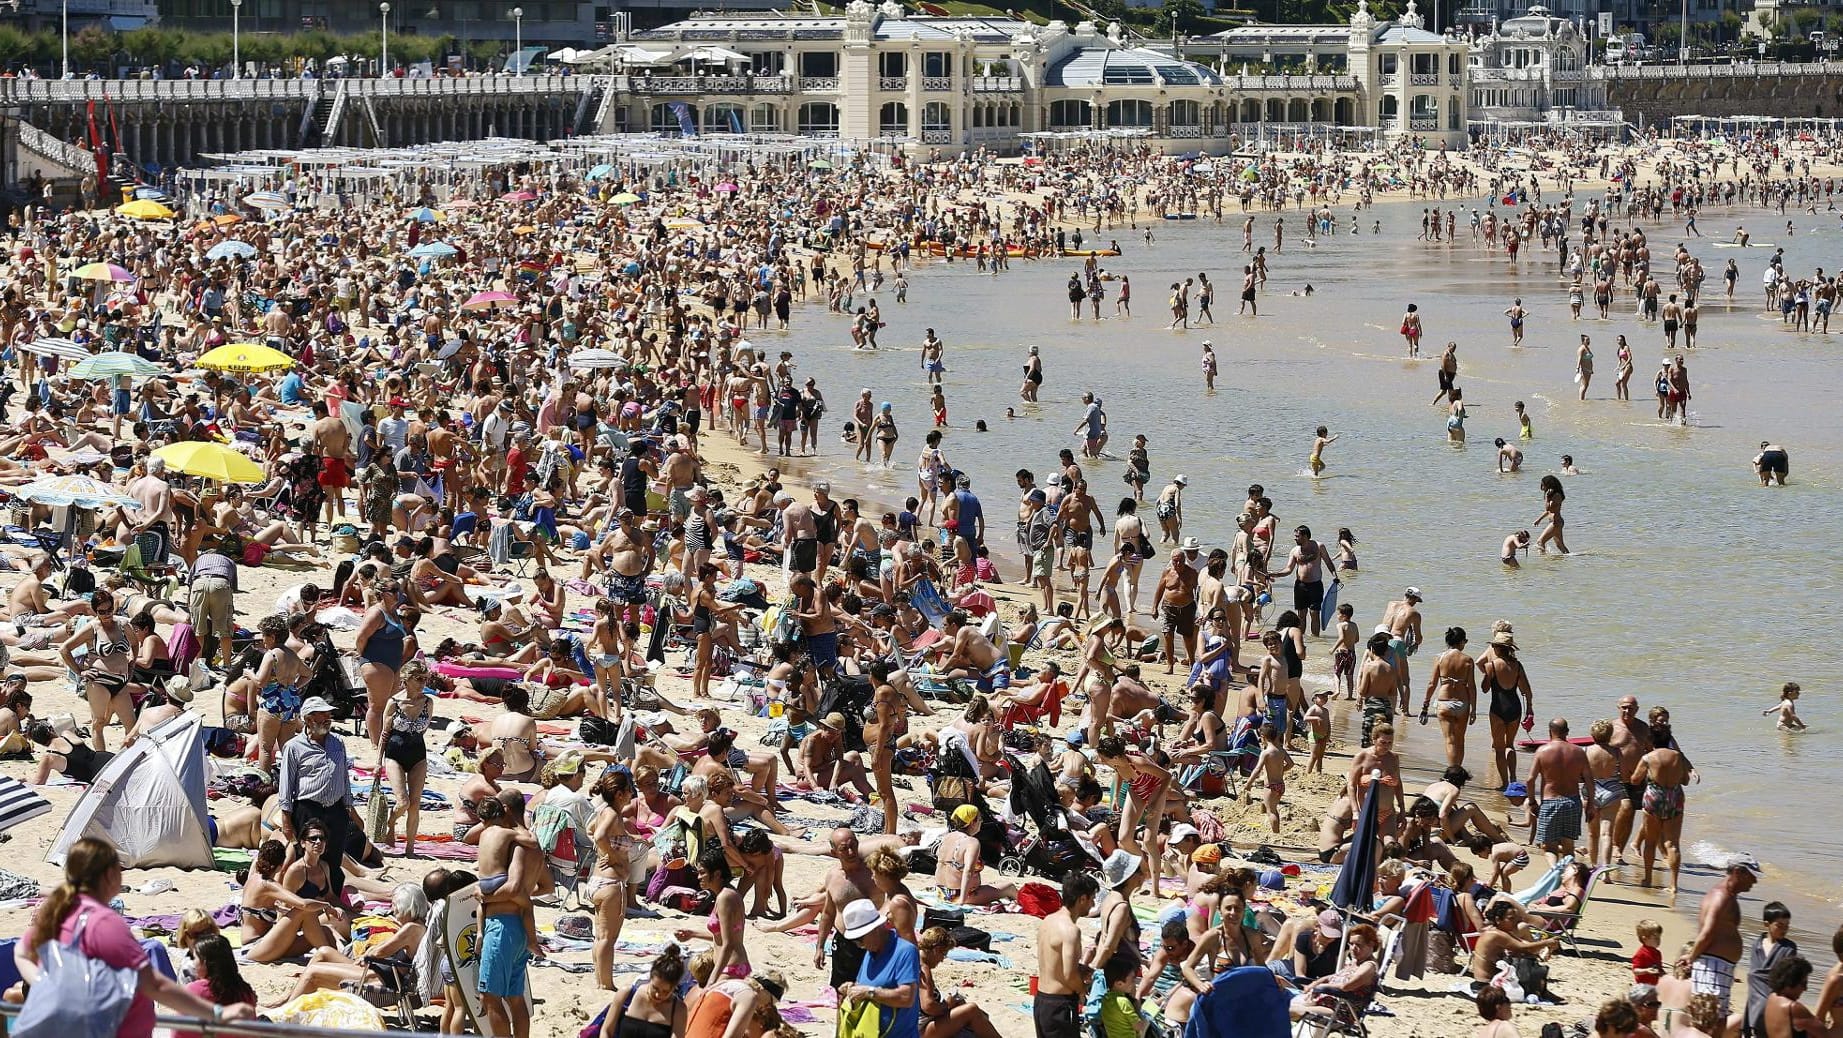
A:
[92,877]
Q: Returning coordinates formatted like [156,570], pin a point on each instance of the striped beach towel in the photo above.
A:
[19,803]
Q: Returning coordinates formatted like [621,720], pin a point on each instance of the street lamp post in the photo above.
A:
[518,39]
[65,33]
[236,51]
[384,39]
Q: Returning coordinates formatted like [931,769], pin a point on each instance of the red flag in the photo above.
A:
[102,164]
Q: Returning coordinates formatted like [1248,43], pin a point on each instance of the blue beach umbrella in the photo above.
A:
[434,250]
[1356,880]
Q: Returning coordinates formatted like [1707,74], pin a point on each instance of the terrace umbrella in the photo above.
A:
[599,171]
[819,164]
[144,209]
[115,365]
[519,196]
[1356,880]
[246,357]
[265,200]
[103,272]
[594,359]
[434,250]
[625,198]
[489,300]
[212,461]
[63,349]
[231,250]
[73,492]
[427,215]
[726,188]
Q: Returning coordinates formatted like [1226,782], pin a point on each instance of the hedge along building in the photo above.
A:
[957,83]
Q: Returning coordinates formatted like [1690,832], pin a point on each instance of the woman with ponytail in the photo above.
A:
[92,878]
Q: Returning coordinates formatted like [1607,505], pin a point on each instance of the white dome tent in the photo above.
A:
[149,801]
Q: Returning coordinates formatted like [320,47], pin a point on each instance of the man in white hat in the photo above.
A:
[1403,619]
[312,779]
[890,974]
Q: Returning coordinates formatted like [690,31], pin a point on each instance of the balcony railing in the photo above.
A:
[1184,132]
[819,84]
[937,136]
[997,84]
[25,91]
[890,83]
[1424,79]
[937,84]
[1424,122]
[1320,83]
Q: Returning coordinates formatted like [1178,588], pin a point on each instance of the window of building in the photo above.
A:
[937,64]
[893,64]
[819,64]
[893,120]
[1070,113]
[818,117]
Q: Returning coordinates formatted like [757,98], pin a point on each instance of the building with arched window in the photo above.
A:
[1533,65]
[968,82]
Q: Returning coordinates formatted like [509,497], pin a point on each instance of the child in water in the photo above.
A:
[1787,708]
[1524,430]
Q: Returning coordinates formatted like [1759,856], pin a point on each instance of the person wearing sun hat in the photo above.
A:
[314,784]
[890,975]
[958,877]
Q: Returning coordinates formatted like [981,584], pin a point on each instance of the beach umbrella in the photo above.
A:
[683,223]
[80,491]
[103,272]
[625,198]
[488,300]
[231,250]
[727,188]
[819,164]
[19,803]
[1356,879]
[115,365]
[599,171]
[524,228]
[144,209]
[519,196]
[246,356]
[211,461]
[265,200]
[427,215]
[226,219]
[150,192]
[433,250]
[596,359]
[63,349]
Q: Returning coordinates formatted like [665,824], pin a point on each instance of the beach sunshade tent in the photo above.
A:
[489,300]
[265,200]
[115,365]
[231,250]
[19,803]
[595,359]
[149,802]
[144,209]
[103,272]
[433,250]
[245,356]
[63,349]
[211,461]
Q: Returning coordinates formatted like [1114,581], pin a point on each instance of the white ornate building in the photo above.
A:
[963,82]
[1533,65]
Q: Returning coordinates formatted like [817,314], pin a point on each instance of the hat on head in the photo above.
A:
[1330,923]
[1192,544]
[1745,863]
[569,762]
[1075,739]
[316,705]
[965,815]
[860,917]
[1181,480]
[178,688]
[1323,693]
[1183,831]
[833,720]
[1642,995]
[1414,593]
[1119,867]
[1208,854]
[1504,638]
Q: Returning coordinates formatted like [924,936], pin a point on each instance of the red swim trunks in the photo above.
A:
[334,473]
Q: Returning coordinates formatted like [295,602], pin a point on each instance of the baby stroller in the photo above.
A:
[1053,852]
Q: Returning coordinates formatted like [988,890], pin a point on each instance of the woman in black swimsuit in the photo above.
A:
[309,878]
[66,757]
[649,1007]
[105,668]
[405,755]
[277,922]
[1502,678]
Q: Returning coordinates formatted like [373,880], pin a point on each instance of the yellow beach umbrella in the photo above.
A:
[246,356]
[625,198]
[683,223]
[145,209]
[212,461]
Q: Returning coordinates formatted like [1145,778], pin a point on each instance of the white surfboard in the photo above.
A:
[460,944]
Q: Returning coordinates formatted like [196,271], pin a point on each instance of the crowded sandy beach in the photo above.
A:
[534,602]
